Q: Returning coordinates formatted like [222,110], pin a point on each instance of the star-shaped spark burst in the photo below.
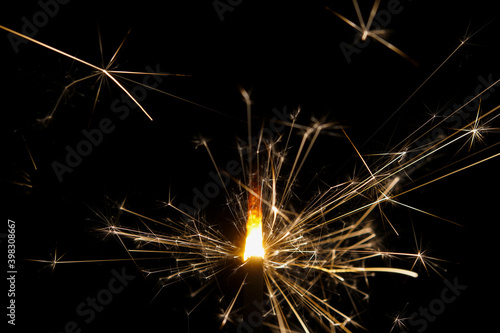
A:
[365,28]
[106,73]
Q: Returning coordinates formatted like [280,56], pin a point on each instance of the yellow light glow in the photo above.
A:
[253,244]
[254,240]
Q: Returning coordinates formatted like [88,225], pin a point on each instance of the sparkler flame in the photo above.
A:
[254,241]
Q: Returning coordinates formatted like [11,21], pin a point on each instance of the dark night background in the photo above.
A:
[287,54]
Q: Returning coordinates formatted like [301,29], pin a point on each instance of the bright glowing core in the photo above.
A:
[253,243]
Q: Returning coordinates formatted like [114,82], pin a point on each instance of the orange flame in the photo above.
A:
[254,240]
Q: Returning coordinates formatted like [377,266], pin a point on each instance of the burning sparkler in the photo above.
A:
[327,245]
[300,256]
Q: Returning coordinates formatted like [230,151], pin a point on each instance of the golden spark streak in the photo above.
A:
[97,68]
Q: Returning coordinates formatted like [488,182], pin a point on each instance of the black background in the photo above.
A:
[287,54]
